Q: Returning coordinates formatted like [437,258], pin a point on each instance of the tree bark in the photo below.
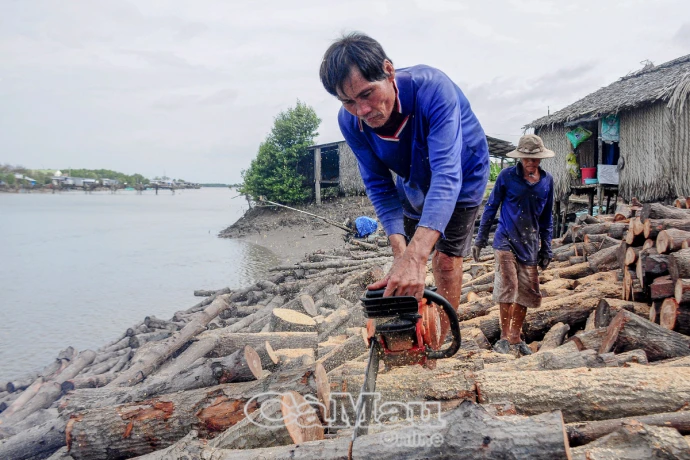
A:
[653,227]
[289,358]
[308,306]
[549,361]
[36,442]
[608,308]
[636,441]
[661,288]
[588,394]
[585,432]
[554,337]
[590,340]
[628,331]
[631,255]
[138,428]
[469,432]
[659,211]
[347,351]
[226,344]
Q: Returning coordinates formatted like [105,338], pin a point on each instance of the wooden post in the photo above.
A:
[591,202]
[317,174]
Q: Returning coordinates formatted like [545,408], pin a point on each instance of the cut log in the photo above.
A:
[585,432]
[153,354]
[654,227]
[623,212]
[468,432]
[573,272]
[636,441]
[621,252]
[628,331]
[286,320]
[654,311]
[308,305]
[650,265]
[681,290]
[590,324]
[554,337]
[621,359]
[36,442]
[301,420]
[675,317]
[241,366]
[659,211]
[590,340]
[631,255]
[269,360]
[474,338]
[225,344]
[661,288]
[671,240]
[548,360]
[138,428]
[635,234]
[680,203]
[679,264]
[471,310]
[588,393]
[576,260]
[348,350]
[608,308]
[289,358]
[604,259]
[334,323]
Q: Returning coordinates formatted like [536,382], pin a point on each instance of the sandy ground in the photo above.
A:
[290,235]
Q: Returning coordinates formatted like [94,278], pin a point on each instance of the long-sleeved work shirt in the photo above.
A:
[439,153]
[526,215]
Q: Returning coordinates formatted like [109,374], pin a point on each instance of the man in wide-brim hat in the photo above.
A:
[522,241]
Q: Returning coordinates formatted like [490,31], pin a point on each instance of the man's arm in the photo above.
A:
[546,225]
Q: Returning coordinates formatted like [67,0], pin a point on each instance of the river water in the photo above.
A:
[78,269]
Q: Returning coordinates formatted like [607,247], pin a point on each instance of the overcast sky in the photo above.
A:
[191,88]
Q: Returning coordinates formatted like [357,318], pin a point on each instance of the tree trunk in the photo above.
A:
[286,320]
[636,441]
[152,355]
[653,227]
[679,264]
[36,442]
[468,432]
[628,331]
[659,211]
[671,240]
[588,394]
[675,317]
[554,337]
[661,288]
[585,432]
[141,427]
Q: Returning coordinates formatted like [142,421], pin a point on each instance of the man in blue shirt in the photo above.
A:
[416,123]
[523,237]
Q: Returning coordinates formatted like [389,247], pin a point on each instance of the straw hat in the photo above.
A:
[531,146]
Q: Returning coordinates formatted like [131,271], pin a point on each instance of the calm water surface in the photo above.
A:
[79,269]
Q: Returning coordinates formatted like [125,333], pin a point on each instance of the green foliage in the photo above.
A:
[274,172]
[107,174]
[494,170]
[44,176]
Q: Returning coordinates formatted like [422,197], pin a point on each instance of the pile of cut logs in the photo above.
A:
[267,371]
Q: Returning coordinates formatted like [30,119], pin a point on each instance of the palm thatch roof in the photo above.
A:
[669,82]
[499,147]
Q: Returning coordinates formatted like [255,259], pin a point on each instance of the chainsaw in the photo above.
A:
[402,331]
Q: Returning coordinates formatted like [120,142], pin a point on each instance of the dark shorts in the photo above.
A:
[515,282]
[458,240]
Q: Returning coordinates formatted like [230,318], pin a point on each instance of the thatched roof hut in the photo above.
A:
[654,132]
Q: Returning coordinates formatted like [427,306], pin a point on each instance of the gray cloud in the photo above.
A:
[193,88]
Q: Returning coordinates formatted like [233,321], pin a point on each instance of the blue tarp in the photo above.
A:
[365,226]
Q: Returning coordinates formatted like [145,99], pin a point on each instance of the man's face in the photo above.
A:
[370,101]
[530,165]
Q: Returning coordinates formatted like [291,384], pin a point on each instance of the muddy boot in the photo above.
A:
[522,348]
[502,346]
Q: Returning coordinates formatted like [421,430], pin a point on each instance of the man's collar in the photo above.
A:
[520,172]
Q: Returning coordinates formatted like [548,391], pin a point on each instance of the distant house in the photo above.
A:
[640,135]
[335,165]
[109,182]
[25,179]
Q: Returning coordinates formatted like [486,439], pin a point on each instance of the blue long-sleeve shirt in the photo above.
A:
[439,153]
[526,215]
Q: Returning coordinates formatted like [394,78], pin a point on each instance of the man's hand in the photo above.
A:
[406,276]
[543,261]
[476,253]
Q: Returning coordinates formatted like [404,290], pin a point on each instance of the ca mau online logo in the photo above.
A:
[340,411]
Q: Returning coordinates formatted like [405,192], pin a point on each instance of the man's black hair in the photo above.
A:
[354,49]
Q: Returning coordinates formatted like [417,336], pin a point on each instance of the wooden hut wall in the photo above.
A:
[680,151]
[350,182]
[554,139]
[646,145]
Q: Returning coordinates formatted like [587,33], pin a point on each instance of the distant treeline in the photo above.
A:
[44,176]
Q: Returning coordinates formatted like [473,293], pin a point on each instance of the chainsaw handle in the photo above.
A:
[454,326]
[432,296]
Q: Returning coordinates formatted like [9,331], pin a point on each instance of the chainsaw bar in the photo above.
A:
[366,401]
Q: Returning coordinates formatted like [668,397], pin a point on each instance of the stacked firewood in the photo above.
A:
[267,371]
